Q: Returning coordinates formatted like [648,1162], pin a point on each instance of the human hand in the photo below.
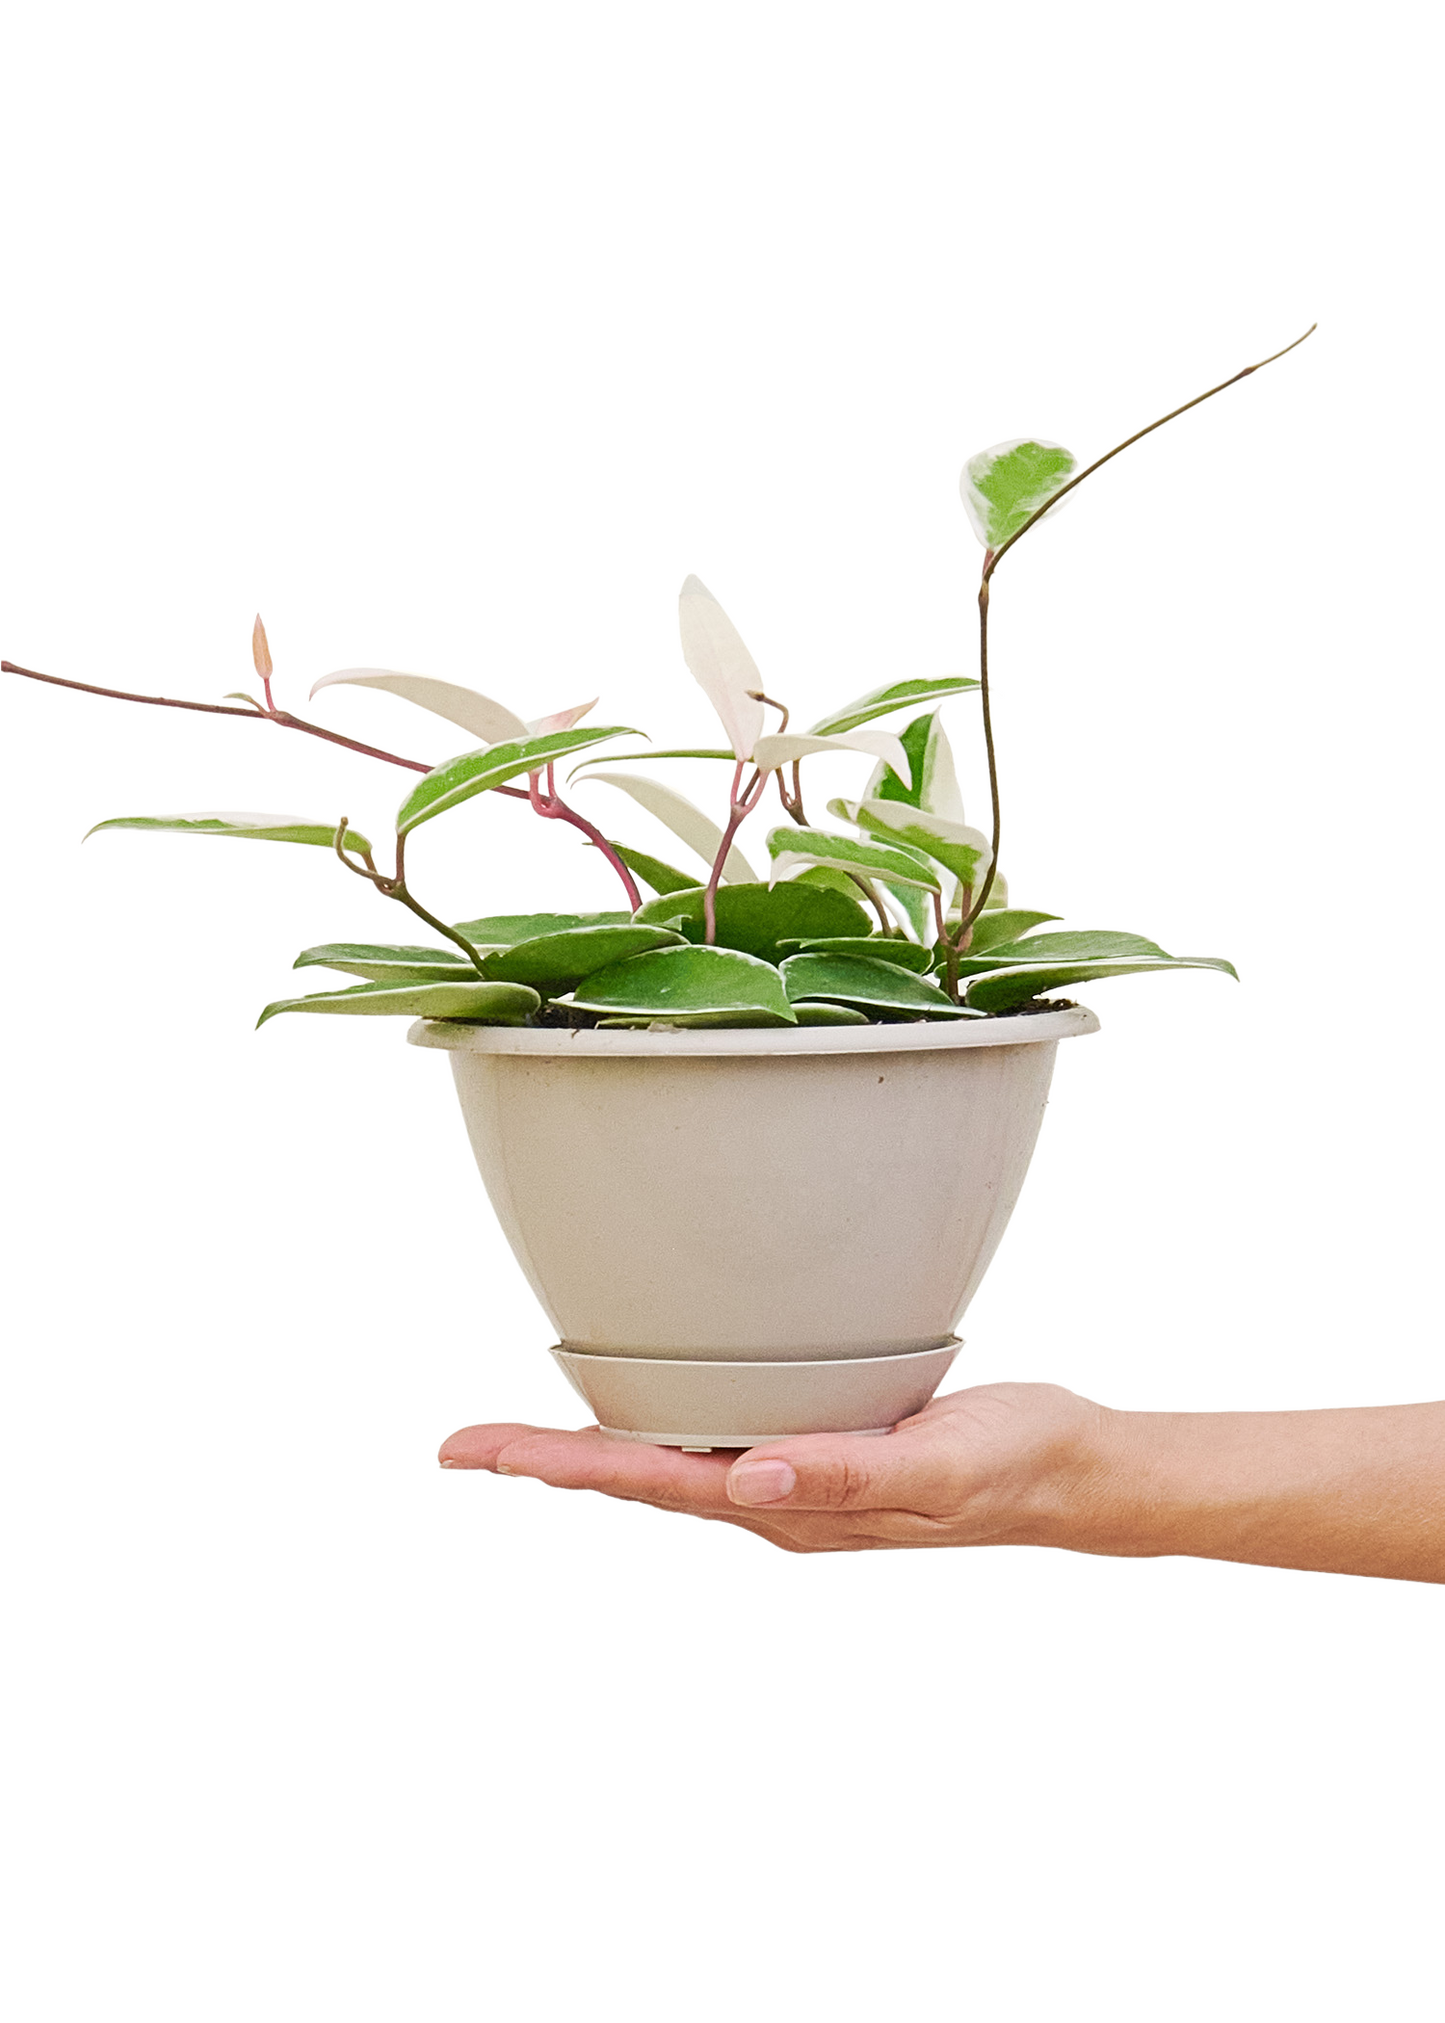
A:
[1005,1464]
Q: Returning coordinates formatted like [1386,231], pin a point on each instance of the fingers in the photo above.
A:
[593,1460]
[479,1446]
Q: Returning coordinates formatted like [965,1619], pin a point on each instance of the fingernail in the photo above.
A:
[447,1462]
[761,1482]
[503,1469]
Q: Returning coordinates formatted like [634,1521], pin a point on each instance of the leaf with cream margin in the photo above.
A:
[1003,925]
[914,908]
[457,780]
[869,986]
[576,952]
[491,722]
[1003,990]
[909,955]
[721,665]
[687,822]
[797,847]
[250,828]
[883,702]
[1003,486]
[760,919]
[786,746]
[502,1004]
[689,752]
[505,930]
[689,987]
[963,851]
[651,870]
[929,780]
[389,962]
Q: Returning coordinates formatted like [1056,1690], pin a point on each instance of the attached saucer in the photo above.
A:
[661,1402]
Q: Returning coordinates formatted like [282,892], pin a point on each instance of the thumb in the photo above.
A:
[821,1471]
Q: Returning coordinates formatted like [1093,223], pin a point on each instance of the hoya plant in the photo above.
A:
[899,912]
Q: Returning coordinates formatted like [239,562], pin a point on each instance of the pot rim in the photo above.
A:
[710,1042]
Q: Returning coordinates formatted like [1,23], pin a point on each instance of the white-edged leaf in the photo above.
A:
[964,851]
[251,828]
[941,792]
[794,848]
[490,1003]
[688,823]
[560,720]
[688,752]
[689,986]
[870,985]
[1003,486]
[883,702]
[489,721]
[1000,990]
[387,962]
[786,746]
[447,786]
[720,664]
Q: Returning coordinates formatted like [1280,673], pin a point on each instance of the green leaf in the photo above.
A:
[447,786]
[909,955]
[790,847]
[496,1004]
[504,930]
[991,928]
[574,953]
[758,918]
[389,963]
[1004,485]
[963,851]
[687,822]
[250,828]
[870,986]
[883,701]
[809,1014]
[690,987]
[652,871]
[1003,990]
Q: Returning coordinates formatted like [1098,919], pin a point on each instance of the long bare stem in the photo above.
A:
[252,713]
[993,557]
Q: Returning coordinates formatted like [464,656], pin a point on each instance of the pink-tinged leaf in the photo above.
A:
[489,722]
[786,746]
[560,720]
[260,650]
[721,665]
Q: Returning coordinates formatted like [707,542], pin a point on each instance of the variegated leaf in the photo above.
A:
[687,822]
[721,665]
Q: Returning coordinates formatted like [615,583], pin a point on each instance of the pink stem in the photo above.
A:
[552,808]
[740,808]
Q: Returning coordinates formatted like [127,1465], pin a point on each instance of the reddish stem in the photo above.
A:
[276,716]
[552,808]
[741,806]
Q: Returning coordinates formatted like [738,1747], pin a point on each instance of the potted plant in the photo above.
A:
[670,1102]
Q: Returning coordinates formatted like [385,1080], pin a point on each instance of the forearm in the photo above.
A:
[1358,1491]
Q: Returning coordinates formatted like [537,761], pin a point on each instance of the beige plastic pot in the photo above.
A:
[740,1235]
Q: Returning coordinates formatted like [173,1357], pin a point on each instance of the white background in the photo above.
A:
[452,337]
